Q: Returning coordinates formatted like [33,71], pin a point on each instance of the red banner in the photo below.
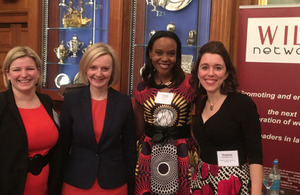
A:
[269,72]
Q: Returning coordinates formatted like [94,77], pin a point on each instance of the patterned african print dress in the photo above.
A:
[164,164]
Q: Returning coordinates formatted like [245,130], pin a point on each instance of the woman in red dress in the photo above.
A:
[99,129]
[30,144]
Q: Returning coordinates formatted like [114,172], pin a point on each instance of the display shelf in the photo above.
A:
[76,29]
[190,19]
[73,24]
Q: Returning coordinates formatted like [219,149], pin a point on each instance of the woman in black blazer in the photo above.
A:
[30,146]
[99,129]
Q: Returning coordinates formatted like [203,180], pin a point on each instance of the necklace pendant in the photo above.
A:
[211,107]
[168,83]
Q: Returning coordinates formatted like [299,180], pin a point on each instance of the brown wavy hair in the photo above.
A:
[230,84]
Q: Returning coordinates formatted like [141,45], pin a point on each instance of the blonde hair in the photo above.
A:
[20,52]
[95,51]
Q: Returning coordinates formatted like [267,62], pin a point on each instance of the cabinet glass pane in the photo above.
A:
[65,21]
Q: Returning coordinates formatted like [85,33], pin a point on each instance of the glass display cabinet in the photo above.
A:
[189,19]
[69,28]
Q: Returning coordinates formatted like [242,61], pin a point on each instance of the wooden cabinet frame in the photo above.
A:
[20,24]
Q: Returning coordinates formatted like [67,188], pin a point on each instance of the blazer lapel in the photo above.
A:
[109,114]
[46,105]
[86,108]
[15,111]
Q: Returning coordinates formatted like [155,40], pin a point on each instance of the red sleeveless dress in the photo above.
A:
[42,135]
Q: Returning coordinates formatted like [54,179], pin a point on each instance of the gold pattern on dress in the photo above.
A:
[167,115]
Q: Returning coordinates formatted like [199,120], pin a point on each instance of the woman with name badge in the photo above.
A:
[163,111]
[227,128]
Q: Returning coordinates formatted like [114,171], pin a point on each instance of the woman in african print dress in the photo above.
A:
[163,111]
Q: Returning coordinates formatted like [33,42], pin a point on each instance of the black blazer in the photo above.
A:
[14,147]
[113,159]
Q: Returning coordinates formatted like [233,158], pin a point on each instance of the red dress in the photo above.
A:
[42,135]
[98,114]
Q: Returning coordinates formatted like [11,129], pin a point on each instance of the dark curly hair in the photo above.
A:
[149,70]
[230,84]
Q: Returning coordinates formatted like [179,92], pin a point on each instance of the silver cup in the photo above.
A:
[74,46]
[89,45]
[191,39]
[61,52]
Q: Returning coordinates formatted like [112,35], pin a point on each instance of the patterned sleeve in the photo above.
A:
[139,91]
[186,90]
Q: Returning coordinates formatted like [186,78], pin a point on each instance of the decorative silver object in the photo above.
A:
[77,79]
[163,3]
[90,2]
[89,45]
[171,27]
[152,32]
[61,52]
[154,3]
[62,3]
[191,39]
[175,5]
[62,79]
[74,45]
[170,5]
[186,63]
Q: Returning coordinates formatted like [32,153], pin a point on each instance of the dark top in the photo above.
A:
[14,148]
[235,126]
[113,159]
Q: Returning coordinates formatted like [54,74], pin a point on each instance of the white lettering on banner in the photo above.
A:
[273,40]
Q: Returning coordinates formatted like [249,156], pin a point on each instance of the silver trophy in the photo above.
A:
[191,39]
[152,32]
[89,45]
[74,46]
[61,52]
[63,3]
[171,27]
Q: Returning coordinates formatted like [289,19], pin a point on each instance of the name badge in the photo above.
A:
[228,158]
[164,98]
